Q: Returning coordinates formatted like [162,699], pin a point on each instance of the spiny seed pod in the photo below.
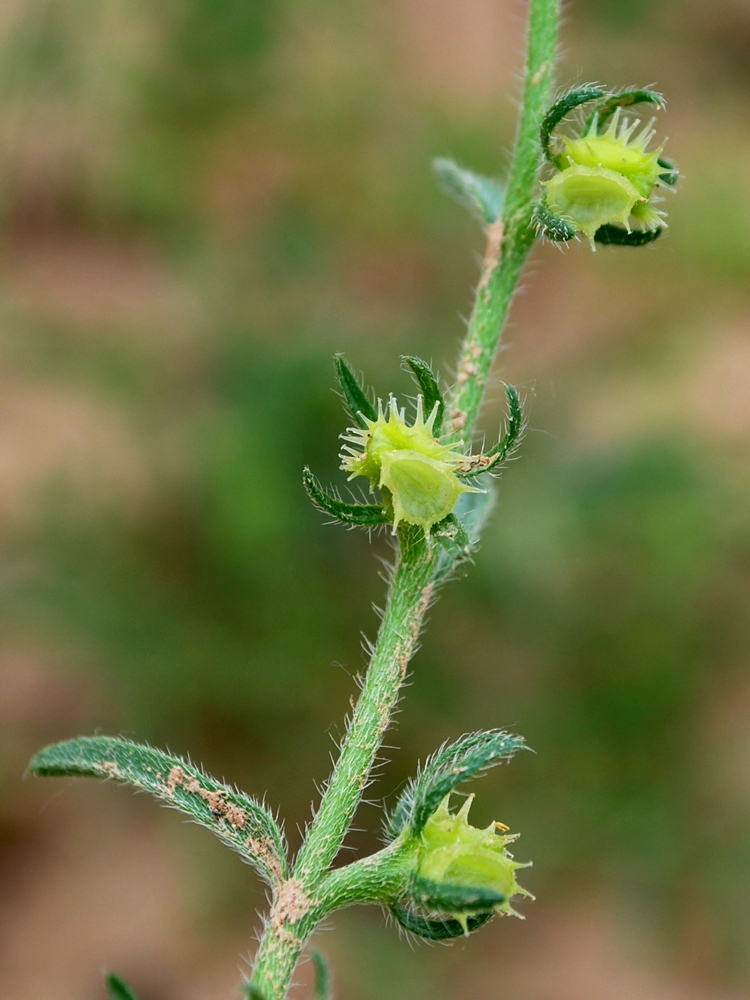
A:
[608,178]
[457,855]
[414,471]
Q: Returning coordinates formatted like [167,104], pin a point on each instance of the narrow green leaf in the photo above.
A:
[482,196]
[238,820]
[552,226]
[117,988]
[454,898]
[610,235]
[446,769]
[437,930]
[626,99]
[562,107]
[430,390]
[355,396]
[356,514]
[322,989]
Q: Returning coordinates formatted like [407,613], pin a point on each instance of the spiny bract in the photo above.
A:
[607,178]
[414,471]
[455,852]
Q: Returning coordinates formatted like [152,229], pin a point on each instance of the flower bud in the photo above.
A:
[472,865]
[413,470]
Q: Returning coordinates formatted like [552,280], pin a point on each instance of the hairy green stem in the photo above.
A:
[510,239]
[304,899]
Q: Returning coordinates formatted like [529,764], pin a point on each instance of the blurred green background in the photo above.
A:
[203,200]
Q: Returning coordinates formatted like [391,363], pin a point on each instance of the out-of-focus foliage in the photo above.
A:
[201,203]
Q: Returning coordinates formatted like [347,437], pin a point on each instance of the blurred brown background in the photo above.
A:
[201,201]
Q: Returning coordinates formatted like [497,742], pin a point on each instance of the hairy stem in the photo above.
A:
[510,239]
[297,904]
[408,597]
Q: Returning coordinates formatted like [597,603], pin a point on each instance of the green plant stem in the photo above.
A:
[510,239]
[298,904]
[408,597]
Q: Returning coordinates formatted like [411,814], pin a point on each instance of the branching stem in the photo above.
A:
[305,899]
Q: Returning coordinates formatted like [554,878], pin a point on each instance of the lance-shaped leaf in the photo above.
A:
[361,515]
[625,99]
[117,988]
[554,227]
[322,989]
[355,396]
[447,898]
[482,196]
[430,390]
[437,930]
[611,235]
[445,770]
[508,442]
[238,820]
[562,107]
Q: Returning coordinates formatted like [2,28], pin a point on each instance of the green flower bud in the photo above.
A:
[460,859]
[414,471]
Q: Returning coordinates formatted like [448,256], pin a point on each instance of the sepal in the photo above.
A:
[482,196]
[445,770]
[555,228]
[358,515]
[431,393]
[566,103]
[611,235]
[438,930]
[626,99]
[355,396]
[670,174]
[448,898]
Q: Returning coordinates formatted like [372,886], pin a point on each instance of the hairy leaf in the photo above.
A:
[563,106]
[238,820]
[430,391]
[482,196]
[355,396]
[360,515]
[437,930]
[117,988]
[445,770]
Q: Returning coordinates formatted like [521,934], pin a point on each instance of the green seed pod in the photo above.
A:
[608,179]
[460,857]
[591,197]
[416,473]
[617,149]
